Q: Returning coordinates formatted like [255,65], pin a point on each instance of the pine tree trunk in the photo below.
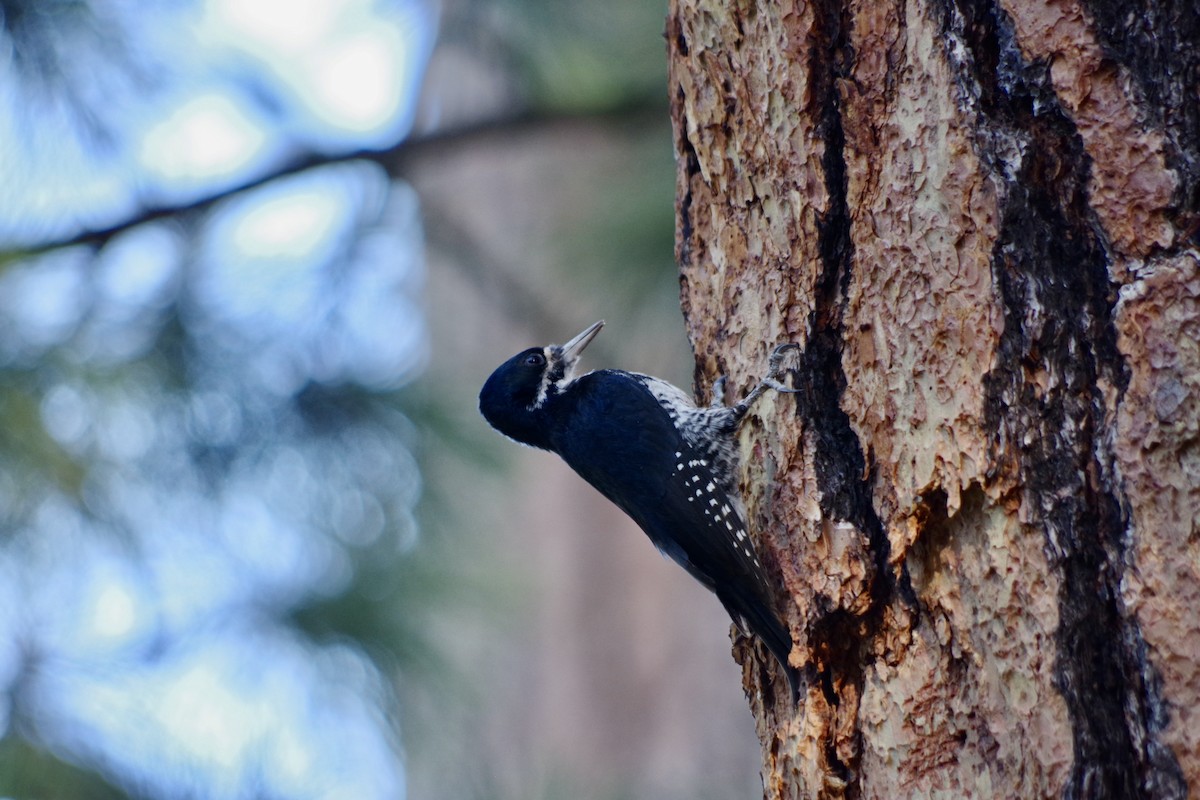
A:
[978,219]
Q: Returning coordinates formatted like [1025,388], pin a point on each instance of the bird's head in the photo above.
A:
[522,385]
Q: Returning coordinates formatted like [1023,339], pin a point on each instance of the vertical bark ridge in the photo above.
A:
[1058,368]
[841,640]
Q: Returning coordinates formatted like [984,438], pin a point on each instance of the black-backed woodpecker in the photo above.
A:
[647,447]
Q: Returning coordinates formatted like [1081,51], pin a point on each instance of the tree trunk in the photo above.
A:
[978,219]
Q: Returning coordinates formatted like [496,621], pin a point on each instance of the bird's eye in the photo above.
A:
[535,360]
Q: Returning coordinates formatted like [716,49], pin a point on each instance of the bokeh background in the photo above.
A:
[256,258]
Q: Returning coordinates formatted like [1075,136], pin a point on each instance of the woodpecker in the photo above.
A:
[648,448]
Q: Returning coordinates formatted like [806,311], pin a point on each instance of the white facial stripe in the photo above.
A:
[544,387]
[554,361]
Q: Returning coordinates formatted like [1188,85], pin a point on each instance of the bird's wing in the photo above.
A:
[714,540]
[668,486]
[631,449]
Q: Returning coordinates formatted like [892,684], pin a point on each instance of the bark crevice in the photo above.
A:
[840,640]
[1157,42]
[1057,368]
[687,154]
[840,465]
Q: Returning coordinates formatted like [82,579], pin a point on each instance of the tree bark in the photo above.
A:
[978,219]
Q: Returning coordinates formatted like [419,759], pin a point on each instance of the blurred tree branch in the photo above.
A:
[395,160]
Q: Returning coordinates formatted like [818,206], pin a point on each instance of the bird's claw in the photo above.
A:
[773,380]
[775,368]
[771,383]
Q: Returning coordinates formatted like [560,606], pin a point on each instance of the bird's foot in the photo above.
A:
[773,380]
[776,370]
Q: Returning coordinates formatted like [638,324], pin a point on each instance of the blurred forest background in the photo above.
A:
[256,259]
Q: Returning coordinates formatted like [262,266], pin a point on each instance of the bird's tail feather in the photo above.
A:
[753,616]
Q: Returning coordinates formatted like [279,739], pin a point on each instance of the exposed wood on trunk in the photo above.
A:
[979,221]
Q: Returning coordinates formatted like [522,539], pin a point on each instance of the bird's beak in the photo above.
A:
[572,349]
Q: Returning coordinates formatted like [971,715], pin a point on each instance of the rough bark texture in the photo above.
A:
[978,218]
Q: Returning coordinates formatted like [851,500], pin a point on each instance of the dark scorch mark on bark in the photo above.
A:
[1046,401]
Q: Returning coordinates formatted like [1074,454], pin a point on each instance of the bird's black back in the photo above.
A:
[664,462]
[614,432]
